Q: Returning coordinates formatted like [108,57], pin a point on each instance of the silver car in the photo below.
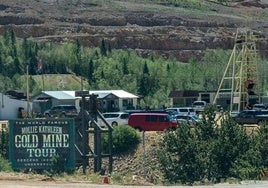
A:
[116,118]
[188,119]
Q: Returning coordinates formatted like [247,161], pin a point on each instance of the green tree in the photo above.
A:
[168,68]
[13,44]
[144,83]
[178,156]
[26,49]
[4,145]
[77,52]
[103,49]
[125,68]
[142,87]
[189,155]
[145,69]
[109,48]
[249,164]
[263,144]
[231,143]
[90,72]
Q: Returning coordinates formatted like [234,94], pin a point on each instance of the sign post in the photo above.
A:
[34,143]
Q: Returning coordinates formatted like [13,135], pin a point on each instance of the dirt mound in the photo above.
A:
[141,165]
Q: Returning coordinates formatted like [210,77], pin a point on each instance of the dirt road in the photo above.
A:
[44,184]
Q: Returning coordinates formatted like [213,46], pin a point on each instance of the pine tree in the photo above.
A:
[13,44]
[125,68]
[102,75]
[25,48]
[145,69]
[144,82]
[109,48]
[103,49]
[142,89]
[90,72]
[168,68]
[77,53]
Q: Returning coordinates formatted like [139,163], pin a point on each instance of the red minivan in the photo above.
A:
[152,121]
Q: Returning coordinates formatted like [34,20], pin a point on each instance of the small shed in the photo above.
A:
[183,97]
[47,99]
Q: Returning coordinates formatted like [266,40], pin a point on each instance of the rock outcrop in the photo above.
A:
[147,28]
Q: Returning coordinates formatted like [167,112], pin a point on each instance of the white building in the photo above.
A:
[9,107]
[109,100]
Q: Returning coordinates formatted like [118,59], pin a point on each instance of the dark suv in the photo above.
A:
[61,111]
[251,117]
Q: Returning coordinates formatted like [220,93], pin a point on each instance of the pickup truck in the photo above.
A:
[251,117]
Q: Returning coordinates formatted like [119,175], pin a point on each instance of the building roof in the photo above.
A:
[118,93]
[16,94]
[63,95]
[183,93]
[101,94]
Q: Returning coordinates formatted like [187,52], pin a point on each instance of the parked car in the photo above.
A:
[116,118]
[219,108]
[61,111]
[181,110]
[251,117]
[170,112]
[188,119]
[259,107]
[199,106]
[152,121]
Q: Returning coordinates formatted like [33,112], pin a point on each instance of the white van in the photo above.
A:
[182,110]
[199,106]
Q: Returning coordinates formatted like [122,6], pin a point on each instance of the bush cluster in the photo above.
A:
[4,144]
[4,151]
[124,138]
[213,152]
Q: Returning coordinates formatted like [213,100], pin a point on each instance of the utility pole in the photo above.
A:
[27,88]
[82,86]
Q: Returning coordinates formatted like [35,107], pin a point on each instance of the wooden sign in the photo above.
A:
[37,143]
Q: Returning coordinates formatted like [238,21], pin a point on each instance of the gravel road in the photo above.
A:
[44,184]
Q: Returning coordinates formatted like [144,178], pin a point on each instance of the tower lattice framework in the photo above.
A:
[239,81]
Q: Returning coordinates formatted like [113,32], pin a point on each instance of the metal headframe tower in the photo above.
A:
[239,80]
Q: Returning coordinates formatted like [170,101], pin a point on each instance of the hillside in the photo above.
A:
[144,26]
[59,82]
[148,28]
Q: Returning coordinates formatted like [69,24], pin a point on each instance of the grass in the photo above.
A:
[60,82]
[186,6]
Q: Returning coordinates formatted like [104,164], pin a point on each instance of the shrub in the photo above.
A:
[178,156]
[212,152]
[124,138]
[4,165]
[4,140]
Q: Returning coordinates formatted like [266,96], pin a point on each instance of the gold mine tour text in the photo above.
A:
[49,142]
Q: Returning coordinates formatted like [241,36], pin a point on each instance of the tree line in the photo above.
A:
[106,68]
[214,152]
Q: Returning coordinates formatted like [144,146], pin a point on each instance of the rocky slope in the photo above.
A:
[146,27]
[141,166]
